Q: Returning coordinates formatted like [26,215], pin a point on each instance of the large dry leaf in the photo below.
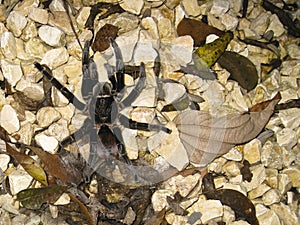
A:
[205,137]
[29,164]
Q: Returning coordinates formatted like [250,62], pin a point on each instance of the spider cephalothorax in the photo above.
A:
[103,102]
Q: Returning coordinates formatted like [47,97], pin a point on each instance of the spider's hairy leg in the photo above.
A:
[83,130]
[129,123]
[120,68]
[89,72]
[136,90]
[69,95]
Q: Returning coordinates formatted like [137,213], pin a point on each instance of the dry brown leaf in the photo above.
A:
[205,137]
[29,165]
[57,167]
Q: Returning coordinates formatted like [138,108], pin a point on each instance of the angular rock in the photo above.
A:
[290,117]
[46,116]
[276,26]
[159,199]
[191,7]
[11,71]
[48,143]
[51,35]
[209,209]
[271,155]
[287,137]
[38,15]
[293,173]
[169,147]
[19,180]
[285,213]
[55,57]
[271,197]
[9,119]
[269,217]
[284,183]
[259,191]
[16,22]
[4,160]
[252,151]
[36,48]
[132,6]
[8,45]
[219,7]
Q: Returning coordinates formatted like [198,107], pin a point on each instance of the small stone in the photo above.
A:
[191,7]
[59,130]
[259,24]
[82,16]
[172,92]
[290,117]
[147,98]
[234,155]
[64,199]
[144,52]
[126,22]
[285,213]
[19,180]
[38,15]
[181,184]
[209,209]
[132,6]
[26,133]
[4,160]
[231,168]
[269,217]
[8,45]
[16,22]
[165,30]
[259,191]
[276,26]
[130,141]
[293,173]
[11,71]
[230,22]
[169,147]
[61,21]
[55,57]
[284,183]
[271,155]
[259,176]
[219,7]
[291,68]
[159,199]
[237,187]
[57,6]
[36,48]
[287,137]
[272,196]
[126,43]
[48,144]
[9,119]
[293,51]
[51,35]
[178,51]
[46,116]
[252,151]
[272,178]
[239,222]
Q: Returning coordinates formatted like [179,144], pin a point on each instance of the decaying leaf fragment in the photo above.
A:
[29,164]
[239,203]
[34,198]
[241,69]
[206,137]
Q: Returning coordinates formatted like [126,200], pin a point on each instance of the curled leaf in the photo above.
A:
[197,30]
[34,198]
[239,203]
[205,137]
[29,165]
[101,42]
[241,69]
[209,53]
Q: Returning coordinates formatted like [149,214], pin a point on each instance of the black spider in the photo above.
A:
[103,102]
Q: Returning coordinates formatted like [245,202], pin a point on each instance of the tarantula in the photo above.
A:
[103,103]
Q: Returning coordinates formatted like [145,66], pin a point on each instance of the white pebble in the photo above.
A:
[51,35]
[9,119]
[16,22]
[8,45]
